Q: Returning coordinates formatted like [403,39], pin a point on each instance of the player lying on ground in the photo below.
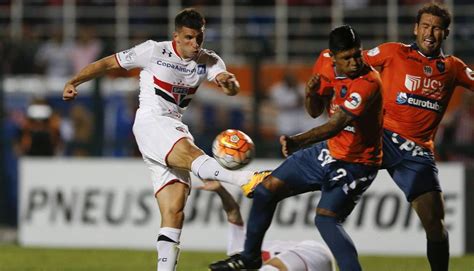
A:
[276,254]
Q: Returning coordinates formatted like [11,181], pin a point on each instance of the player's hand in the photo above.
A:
[313,85]
[210,185]
[288,145]
[69,92]
[228,83]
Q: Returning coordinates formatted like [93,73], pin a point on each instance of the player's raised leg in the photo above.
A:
[186,155]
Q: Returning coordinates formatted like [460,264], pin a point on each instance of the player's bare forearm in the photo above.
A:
[228,83]
[230,206]
[95,70]
[335,124]
[89,72]
[315,104]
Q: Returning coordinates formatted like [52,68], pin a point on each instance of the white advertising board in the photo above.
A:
[109,203]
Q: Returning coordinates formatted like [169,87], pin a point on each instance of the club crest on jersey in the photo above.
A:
[353,101]
[427,70]
[373,52]
[440,66]
[180,90]
[201,69]
[343,91]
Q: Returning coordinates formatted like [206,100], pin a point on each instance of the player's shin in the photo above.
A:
[338,242]
[206,167]
[438,254]
[260,217]
[168,249]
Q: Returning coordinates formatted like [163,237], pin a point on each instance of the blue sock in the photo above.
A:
[260,218]
[438,254]
[338,242]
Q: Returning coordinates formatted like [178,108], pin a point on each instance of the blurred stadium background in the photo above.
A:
[269,44]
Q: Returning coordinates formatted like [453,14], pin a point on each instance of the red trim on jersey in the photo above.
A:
[169,87]
[173,43]
[265,255]
[118,62]
[171,182]
[166,157]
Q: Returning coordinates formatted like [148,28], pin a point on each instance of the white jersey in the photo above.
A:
[167,85]
[308,255]
[167,81]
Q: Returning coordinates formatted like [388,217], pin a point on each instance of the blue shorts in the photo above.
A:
[341,183]
[412,167]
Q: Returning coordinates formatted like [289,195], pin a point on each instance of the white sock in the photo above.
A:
[206,167]
[168,248]
[236,239]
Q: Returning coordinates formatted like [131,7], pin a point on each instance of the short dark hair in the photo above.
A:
[435,9]
[189,17]
[343,38]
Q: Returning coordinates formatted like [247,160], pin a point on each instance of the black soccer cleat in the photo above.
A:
[236,262]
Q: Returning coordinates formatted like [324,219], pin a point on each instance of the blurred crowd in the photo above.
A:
[41,124]
[45,125]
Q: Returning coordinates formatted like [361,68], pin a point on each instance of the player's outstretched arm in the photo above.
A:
[314,103]
[89,72]
[335,124]
[228,83]
[231,207]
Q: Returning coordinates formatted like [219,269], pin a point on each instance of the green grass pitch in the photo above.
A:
[15,258]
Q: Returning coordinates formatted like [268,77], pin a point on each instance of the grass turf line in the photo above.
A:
[15,258]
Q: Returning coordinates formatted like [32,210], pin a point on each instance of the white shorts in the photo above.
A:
[156,136]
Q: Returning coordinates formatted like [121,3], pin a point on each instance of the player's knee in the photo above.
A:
[183,154]
[432,222]
[322,220]
[274,185]
[436,230]
[263,194]
[193,152]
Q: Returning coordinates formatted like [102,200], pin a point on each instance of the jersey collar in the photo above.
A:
[173,45]
[338,76]
[414,46]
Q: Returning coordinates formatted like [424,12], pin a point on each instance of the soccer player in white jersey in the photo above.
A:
[307,255]
[171,72]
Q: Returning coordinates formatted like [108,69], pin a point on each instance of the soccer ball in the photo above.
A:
[233,149]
